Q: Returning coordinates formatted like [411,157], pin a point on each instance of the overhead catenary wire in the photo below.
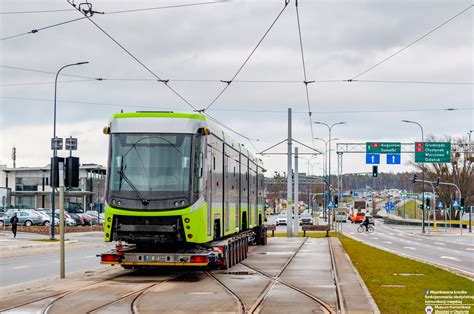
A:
[36,30]
[306,82]
[120,11]
[246,110]
[247,59]
[412,43]
[138,60]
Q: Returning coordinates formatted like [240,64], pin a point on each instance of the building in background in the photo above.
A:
[30,187]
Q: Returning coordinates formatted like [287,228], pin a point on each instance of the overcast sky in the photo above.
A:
[210,42]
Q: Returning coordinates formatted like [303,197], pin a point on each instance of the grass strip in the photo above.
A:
[398,284]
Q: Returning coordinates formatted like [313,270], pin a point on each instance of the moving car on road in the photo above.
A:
[306,219]
[357,217]
[281,219]
[341,216]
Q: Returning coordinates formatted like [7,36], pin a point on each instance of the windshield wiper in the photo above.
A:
[123,176]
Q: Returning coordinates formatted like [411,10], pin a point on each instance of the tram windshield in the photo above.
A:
[148,167]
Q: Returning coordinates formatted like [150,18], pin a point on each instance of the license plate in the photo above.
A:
[154,258]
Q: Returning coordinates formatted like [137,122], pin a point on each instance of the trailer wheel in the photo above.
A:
[239,250]
[246,247]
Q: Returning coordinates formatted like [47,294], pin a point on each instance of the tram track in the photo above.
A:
[327,308]
[59,295]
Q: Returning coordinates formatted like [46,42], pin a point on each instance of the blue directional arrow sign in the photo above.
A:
[455,203]
[440,205]
[331,205]
[393,159]
[372,159]
[389,206]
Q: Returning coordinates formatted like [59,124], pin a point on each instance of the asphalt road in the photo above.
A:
[22,269]
[450,250]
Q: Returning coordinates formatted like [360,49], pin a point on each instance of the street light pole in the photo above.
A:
[422,176]
[325,171]
[55,150]
[469,196]
[329,162]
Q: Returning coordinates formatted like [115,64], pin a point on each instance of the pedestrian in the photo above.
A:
[14,221]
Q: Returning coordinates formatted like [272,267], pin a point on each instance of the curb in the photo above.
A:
[35,245]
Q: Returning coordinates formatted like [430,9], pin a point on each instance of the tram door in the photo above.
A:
[226,193]
[209,188]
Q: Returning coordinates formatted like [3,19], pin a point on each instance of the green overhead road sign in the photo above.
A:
[433,152]
[383,148]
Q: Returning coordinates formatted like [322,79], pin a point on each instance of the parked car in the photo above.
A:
[341,216]
[306,219]
[78,219]
[68,221]
[27,217]
[357,217]
[87,220]
[95,215]
[281,219]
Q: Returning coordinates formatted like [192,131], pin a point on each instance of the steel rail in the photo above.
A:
[276,279]
[241,303]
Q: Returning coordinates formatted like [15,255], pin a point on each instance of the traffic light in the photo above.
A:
[437,182]
[462,203]
[414,178]
[71,179]
[375,170]
[54,171]
[428,203]
[336,201]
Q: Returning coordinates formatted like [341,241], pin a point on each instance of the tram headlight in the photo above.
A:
[187,220]
[176,204]
[183,202]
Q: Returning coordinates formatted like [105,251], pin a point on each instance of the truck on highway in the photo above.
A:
[180,192]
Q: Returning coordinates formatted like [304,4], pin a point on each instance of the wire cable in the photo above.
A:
[34,31]
[121,11]
[44,83]
[47,72]
[165,82]
[166,7]
[38,11]
[306,82]
[412,43]
[246,60]
[229,128]
[247,110]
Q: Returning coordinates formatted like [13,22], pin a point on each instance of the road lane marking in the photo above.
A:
[91,256]
[56,262]
[409,247]
[449,257]
[439,243]
[470,249]
[388,242]
[20,267]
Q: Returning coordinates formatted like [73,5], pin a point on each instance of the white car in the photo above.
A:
[281,219]
[341,216]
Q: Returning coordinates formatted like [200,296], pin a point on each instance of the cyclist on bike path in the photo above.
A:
[366,223]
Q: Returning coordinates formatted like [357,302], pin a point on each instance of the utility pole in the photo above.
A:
[296,205]
[14,156]
[62,272]
[289,188]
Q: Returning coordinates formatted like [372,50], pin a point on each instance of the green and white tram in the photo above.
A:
[177,179]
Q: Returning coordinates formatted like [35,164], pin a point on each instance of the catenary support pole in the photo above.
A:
[62,272]
[289,187]
[296,204]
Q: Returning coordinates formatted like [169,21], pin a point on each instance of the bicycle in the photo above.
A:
[361,229]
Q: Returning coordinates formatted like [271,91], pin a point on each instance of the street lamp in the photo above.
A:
[469,196]
[55,148]
[422,176]
[329,143]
